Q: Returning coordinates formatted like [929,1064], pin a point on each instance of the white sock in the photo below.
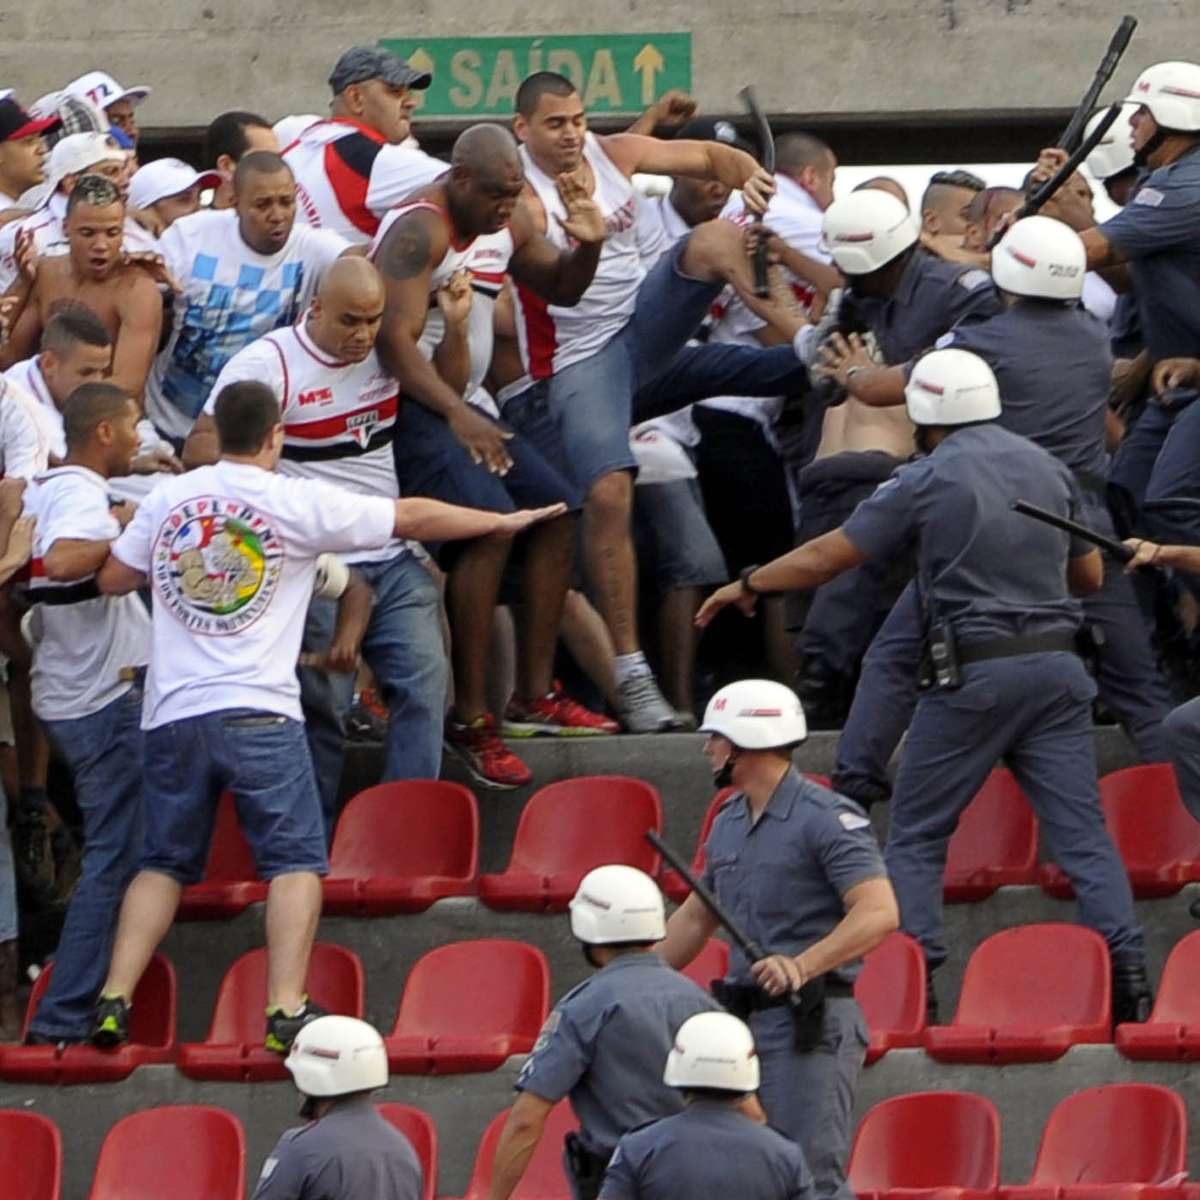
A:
[630,666]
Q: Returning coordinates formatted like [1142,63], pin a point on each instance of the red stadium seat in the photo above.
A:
[31,1156]
[543,1178]
[927,1146]
[450,1024]
[567,829]
[189,1152]
[711,963]
[891,993]
[1172,1034]
[152,1037]
[231,882]
[671,882]
[419,1128]
[1028,995]
[1124,1141]
[1158,839]
[401,846]
[995,844]
[234,1047]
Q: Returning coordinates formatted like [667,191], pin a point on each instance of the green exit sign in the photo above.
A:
[618,73]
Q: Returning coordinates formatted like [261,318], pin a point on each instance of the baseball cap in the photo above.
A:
[75,154]
[166,177]
[714,129]
[102,89]
[16,123]
[361,63]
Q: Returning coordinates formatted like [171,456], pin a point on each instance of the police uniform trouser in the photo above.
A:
[810,1097]
[1182,730]
[1034,712]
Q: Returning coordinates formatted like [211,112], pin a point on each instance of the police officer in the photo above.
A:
[710,1151]
[905,299]
[799,868]
[1000,624]
[1158,235]
[1052,362]
[347,1150]
[605,1043]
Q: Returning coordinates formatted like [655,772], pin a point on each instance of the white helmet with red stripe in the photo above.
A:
[866,230]
[1171,91]
[1114,152]
[1039,256]
[713,1050]
[951,387]
[756,714]
[337,1056]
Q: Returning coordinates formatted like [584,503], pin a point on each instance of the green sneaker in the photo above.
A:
[111,1025]
[282,1027]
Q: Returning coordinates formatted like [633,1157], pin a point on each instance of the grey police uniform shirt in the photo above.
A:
[783,878]
[988,571]
[1158,231]
[709,1150]
[932,297]
[1054,368]
[605,1045]
[349,1154]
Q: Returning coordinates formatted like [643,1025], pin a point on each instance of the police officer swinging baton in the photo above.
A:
[1118,550]
[766,156]
[807,1004]
[1104,72]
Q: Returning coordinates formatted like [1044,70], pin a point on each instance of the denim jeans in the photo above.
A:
[403,646]
[104,754]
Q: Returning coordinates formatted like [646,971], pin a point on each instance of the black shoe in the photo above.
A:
[111,1025]
[1132,997]
[932,1013]
[282,1027]
[33,1038]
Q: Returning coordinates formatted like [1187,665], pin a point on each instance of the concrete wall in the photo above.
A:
[849,56]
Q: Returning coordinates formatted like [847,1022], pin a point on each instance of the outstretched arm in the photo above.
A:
[559,276]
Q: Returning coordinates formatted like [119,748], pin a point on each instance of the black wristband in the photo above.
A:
[744,579]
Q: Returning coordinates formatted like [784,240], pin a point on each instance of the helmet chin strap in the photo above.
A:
[308,1108]
[723,775]
[1141,156]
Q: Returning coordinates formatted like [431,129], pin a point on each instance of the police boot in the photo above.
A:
[10,1008]
[932,1012]
[1131,994]
[825,694]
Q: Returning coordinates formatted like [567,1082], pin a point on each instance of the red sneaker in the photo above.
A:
[488,759]
[555,714]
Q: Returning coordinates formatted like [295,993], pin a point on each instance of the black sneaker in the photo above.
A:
[1132,998]
[111,1025]
[282,1027]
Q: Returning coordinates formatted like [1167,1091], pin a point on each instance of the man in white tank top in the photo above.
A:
[445,448]
[620,354]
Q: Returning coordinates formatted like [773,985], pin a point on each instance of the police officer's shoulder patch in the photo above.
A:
[852,821]
[974,278]
[1149,196]
[548,1030]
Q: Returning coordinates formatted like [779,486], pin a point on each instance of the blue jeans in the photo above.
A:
[262,758]
[403,646]
[104,754]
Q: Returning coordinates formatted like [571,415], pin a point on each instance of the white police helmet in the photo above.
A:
[1039,256]
[951,387]
[1114,153]
[866,230]
[713,1050]
[1171,91]
[756,714]
[617,903]
[335,1056]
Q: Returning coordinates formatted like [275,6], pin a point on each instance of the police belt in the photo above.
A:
[1035,643]
[750,998]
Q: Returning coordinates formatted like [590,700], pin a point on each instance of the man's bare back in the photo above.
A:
[857,426]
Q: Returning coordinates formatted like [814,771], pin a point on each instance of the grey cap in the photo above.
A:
[361,63]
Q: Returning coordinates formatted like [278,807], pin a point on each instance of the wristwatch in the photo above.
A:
[744,580]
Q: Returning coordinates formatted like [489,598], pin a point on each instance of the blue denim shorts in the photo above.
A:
[263,759]
[676,545]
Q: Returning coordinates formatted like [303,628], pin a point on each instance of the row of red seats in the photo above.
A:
[1125,1141]
[187,1152]
[400,847]
[1028,995]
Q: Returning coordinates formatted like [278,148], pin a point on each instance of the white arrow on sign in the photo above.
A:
[648,63]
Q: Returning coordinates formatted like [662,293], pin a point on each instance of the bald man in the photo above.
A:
[471,222]
[339,405]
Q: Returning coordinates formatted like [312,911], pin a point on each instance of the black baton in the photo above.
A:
[1118,550]
[766,156]
[1104,72]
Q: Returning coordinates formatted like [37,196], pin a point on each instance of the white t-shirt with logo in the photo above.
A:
[231,296]
[84,639]
[230,552]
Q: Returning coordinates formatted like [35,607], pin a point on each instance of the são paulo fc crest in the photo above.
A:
[216,564]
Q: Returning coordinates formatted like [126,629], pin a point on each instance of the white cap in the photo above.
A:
[103,90]
[617,904]
[1039,256]
[1171,91]
[1114,152]
[951,387]
[166,177]
[335,1056]
[713,1050]
[79,151]
[288,129]
[866,230]
[756,714]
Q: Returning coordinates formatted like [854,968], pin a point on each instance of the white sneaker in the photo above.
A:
[642,708]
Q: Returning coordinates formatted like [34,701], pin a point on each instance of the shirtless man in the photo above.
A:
[96,274]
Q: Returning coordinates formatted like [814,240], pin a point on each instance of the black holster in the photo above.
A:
[807,1007]
[587,1168]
